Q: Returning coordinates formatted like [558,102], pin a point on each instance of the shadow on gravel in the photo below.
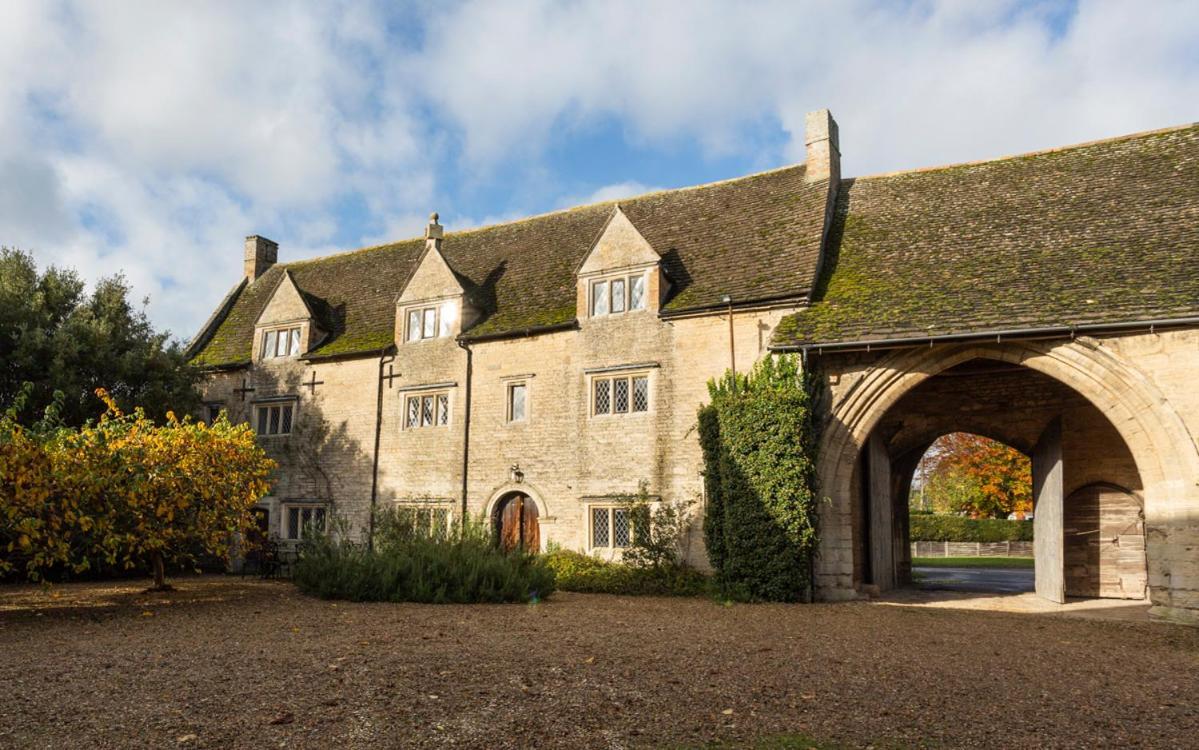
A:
[130,598]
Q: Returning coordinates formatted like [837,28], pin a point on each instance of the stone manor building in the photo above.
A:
[535,371]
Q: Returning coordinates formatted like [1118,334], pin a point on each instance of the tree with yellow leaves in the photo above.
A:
[126,491]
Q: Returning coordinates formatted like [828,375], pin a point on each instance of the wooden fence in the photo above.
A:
[972,549]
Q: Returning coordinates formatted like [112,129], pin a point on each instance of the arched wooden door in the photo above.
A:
[1104,529]
[516,523]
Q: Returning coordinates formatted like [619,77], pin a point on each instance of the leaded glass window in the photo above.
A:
[431,322]
[281,343]
[431,410]
[637,292]
[414,325]
[620,527]
[620,395]
[641,393]
[603,396]
[429,328]
[303,519]
[618,298]
[611,527]
[275,419]
[599,298]
[617,295]
[599,527]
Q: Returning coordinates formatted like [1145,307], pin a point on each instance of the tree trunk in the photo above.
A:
[160,573]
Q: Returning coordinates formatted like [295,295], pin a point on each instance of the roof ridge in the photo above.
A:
[1026,154]
[555,212]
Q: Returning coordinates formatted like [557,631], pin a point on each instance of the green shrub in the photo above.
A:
[575,571]
[461,565]
[758,445]
[946,528]
[660,531]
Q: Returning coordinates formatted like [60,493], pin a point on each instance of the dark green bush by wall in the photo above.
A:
[759,473]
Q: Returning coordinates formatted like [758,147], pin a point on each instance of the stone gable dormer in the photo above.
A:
[287,311]
[433,303]
[621,274]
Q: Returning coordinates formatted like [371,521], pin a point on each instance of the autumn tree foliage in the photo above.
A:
[971,474]
[124,491]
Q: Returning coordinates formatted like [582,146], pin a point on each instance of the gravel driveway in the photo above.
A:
[226,663]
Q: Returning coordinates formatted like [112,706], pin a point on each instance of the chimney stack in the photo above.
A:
[261,254]
[434,232]
[824,149]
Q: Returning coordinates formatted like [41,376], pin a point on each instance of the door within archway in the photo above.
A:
[515,522]
[1105,543]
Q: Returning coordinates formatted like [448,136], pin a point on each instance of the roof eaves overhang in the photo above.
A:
[996,336]
[788,300]
[517,333]
[355,354]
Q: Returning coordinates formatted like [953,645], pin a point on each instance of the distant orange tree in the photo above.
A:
[983,478]
[124,491]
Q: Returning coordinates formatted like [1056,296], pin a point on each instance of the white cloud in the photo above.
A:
[150,137]
[615,191]
[911,84]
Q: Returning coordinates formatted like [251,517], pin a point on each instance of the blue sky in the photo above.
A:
[150,137]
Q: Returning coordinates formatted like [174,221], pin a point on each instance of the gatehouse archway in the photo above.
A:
[1156,444]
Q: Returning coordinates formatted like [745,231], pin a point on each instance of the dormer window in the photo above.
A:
[281,343]
[431,322]
[617,294]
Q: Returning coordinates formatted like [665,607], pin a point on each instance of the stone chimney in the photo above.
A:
[261,254]
[824,148]
[434,232]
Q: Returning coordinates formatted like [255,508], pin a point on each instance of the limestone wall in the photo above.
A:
[568,457]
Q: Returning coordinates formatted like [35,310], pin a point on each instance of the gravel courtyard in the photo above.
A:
[232,663]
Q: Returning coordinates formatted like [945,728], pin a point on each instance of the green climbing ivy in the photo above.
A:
[759,447]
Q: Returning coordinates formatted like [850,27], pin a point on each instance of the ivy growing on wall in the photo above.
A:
[759,448]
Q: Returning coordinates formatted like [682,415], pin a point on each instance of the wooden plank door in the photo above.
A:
[510,523]
[518,524]
[1048,535]
[1105,543]
[530,529]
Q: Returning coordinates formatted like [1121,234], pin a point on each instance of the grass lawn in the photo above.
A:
[231,663]
[972,562]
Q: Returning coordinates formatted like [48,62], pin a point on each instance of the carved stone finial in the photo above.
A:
[434,230]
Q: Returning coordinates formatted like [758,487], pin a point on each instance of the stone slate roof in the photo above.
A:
[1106,232]
[753,238]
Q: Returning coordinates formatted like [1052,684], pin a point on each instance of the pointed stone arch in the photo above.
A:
[1161,445]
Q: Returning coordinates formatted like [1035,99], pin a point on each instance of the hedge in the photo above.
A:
[406,564]
[575,571]
[946,528]
[759,473]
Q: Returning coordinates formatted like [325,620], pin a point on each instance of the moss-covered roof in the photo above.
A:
[1103,233]
[753,238]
